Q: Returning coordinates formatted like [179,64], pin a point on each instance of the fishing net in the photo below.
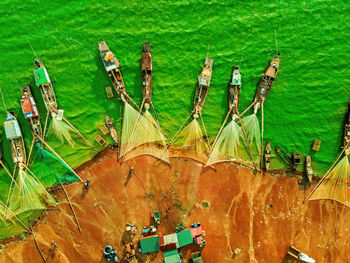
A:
[140,135]
[28,195]
[62,131]
[252,128]
[192,142]
[50,170]
[335,185]
[229,145]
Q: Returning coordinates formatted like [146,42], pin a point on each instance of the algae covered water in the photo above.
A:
[308,99]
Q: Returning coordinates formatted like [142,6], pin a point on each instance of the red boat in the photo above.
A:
[31,112]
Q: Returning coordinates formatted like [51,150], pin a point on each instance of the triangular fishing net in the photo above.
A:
[62,131]
[28,195]
[229,146]
[50,170]
[335,185]
[192,143]
[141,131]
[252,128]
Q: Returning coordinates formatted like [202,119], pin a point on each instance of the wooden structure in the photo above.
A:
[109,92]
[100,140]
[316,145]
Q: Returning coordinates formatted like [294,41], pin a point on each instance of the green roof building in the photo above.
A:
[172,256]
[150,244]
[184,238]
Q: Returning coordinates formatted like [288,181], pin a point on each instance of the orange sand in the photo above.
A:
[259,214]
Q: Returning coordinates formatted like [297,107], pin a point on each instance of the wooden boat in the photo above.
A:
[111,65]
[42,80]
[111,128]
[346,142]
[14,135]
[146,74]
[308,168]
[234,90]
[31,112]
[202,87]
[267,155]
[285,158]
[266,81]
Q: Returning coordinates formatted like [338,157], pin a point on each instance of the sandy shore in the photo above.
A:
[260,214]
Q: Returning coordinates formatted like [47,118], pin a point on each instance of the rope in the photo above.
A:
[3,100]
[37,244]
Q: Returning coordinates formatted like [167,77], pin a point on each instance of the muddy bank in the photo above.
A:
[260,215]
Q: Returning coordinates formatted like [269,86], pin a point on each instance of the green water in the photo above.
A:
[308,100]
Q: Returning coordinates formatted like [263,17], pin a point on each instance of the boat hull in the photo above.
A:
[234,88]
[111,66]
[267,156]
[32,115]
[146,72]
[111,128]
[203,86]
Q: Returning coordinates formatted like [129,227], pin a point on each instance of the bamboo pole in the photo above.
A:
[222,126]
[10,190]
[71,206]
[246,139]
[120,129]
[324,177]
[78,132]
[36,178]
[205,131]
[262,134]
[172,139]
[133,130]
[47,117]
[251,105]
[59,157]
[37,244]
[155,114]
[15,216]
[8,172]
[30,151]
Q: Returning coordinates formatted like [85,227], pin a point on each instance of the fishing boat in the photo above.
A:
[146,74]
[14,135]
[267,155]
[202,87]
[346,142]
[111,65]
[31,112]
[42,80]
[111,128]
[285,158]
[234,91]
[308,168]
[266,81]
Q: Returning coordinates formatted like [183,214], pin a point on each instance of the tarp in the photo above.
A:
[184,237]
[150,244]
[12,129]
[27,108]
[171,256]
[41,76]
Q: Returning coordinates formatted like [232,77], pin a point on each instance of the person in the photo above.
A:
[87,184]
[131,171]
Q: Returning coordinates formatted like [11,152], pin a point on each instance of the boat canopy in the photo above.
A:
[203,81]
[41,76]
[109,61]
[28,107]
[12,129]
[236,78]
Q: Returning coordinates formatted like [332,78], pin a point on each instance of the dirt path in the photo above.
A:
[259,215]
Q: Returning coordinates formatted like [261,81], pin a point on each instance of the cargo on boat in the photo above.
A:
[234,91]
[111,65]
[111,128]
[31,112]
[202,87]
[265,83]
[14,135]
[146,74]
